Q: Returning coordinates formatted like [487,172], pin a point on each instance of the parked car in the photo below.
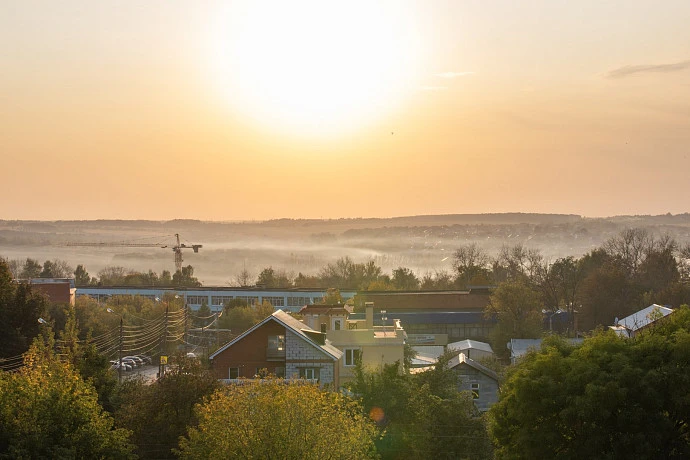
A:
[144,358]
[138,361]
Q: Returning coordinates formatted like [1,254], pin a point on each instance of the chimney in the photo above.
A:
[369,308]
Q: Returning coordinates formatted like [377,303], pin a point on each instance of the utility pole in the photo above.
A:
[184,337]
[119,368]
[164,339]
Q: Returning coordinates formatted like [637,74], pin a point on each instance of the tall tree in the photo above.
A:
[81,276]
[518,311]
[404,279]
[274,420]
[610,398]
[159,414]
[471,264]
[20,309]
[32,269]
[48,411]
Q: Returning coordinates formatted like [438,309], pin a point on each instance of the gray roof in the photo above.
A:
[461,359]
[644,317]
[428,351]
[294,325]
[519,347]
[470,344]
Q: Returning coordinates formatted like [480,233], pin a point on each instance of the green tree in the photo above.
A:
[270,278]
[332,297]
[421,416]
[404,279]
[20,309]
[518,311]
[81,276]
[609,398]
[159,414]
[185,277]
[275,420]
[48,411]
[471,265]
[55,268]
[32,269]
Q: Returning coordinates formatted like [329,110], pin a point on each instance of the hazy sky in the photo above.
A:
[254,110]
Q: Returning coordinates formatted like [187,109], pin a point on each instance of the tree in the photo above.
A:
[517,263]
[517,309]
[423,415]
[185,277]
[440,280]
[471,263]
[159,414]
[56,269]
[20,309]
[32,269]
[404,279]
[608,398]
[277,420]
[48,411]
[332,297]
[269,278]
[81,276]
[244,278]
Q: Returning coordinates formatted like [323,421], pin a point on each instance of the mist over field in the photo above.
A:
[421,243]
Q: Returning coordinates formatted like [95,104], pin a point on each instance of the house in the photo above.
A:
[359,339]
[638,321]
[476,378]
[472,349]
[279,345]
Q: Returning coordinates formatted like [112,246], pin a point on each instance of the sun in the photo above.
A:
[315,67]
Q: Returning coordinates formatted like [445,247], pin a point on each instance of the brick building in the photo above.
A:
[282,346]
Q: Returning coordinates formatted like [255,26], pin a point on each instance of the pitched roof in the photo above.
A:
[644,317]
[461,359]
[470,344]
[295,326]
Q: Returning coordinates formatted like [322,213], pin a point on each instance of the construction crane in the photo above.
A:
[177,248]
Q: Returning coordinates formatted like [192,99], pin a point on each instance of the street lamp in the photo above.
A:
[119,367]
[557,312]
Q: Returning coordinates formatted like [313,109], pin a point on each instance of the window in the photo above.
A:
[280,372]
[275,301]
[197,299]
[337,324]
[309,373]
[276,346]
[220,299]
[352,356]
[298,301]
[475,391]
[234,373]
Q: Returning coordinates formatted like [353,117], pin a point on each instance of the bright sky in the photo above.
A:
[265,109]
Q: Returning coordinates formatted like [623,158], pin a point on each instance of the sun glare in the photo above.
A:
[315,67]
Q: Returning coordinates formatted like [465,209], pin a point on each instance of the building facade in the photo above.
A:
[282,346]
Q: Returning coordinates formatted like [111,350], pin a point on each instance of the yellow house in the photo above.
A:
[358,339]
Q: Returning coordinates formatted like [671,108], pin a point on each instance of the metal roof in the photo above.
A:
[461,359]
[644,317]
[470,344]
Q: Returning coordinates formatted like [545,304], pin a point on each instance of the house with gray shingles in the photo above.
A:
[481,381]
[282,346]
